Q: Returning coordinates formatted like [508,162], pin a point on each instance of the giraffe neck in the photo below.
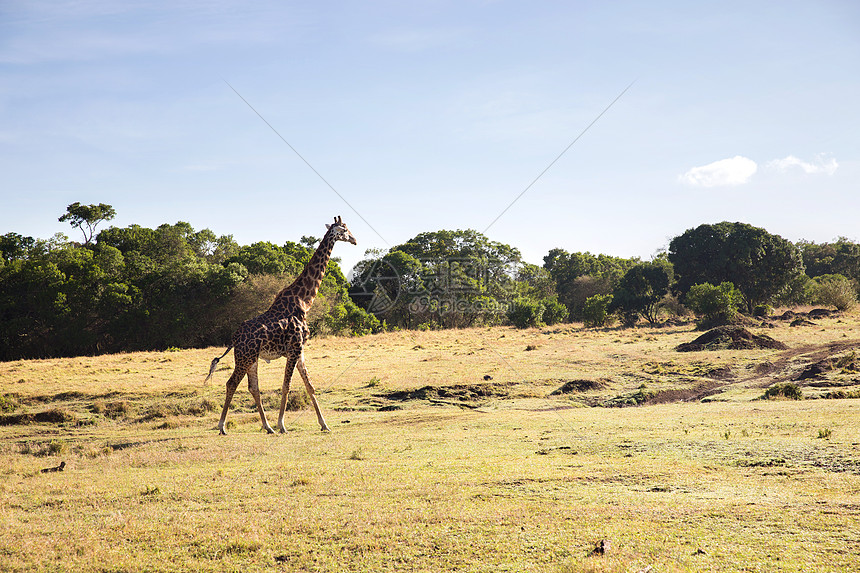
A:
[307,285]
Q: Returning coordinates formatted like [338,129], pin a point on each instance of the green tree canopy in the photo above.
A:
[136,288]
[444,278]
[14,246]
[579,276]
[759,264]
[640,291]
[87,217]
[841,257]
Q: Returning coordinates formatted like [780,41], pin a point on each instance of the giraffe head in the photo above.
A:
[341,232]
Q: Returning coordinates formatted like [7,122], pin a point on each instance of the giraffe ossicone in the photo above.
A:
[281,331]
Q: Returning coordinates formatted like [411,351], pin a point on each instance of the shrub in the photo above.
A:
[786,391]
[525,313]
[714,305]
[596,309]
[346,317]
[297,400]
[580,290]
[8,402]
[763,310]
[673,306]
[554,312]
[800,291]
[835,290]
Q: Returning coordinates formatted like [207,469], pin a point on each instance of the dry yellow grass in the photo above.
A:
[468,474]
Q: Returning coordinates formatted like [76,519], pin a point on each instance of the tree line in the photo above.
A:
[136,288]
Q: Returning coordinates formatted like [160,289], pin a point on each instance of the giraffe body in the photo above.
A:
[281,331]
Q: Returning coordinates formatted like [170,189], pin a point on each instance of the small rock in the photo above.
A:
[487,377]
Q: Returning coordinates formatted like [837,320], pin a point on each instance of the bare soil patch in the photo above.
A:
[645,396]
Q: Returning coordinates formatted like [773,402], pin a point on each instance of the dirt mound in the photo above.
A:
[814,314]
[52,416]
[721,373]
[815,370]
[818,313]
[732,338]
[577,386]
[460,392]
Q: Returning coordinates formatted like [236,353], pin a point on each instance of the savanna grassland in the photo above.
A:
[489,449]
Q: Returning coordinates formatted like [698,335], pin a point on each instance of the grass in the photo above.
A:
[466,475]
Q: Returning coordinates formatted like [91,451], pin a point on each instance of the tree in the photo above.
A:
[87,217]
[579,276]
[841,257]
[640,291]
[266,258]
[442,278]
[14,246]
[759,264]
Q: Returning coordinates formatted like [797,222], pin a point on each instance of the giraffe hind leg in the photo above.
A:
[232,384]
[311,393]
[254,388]
[285,391]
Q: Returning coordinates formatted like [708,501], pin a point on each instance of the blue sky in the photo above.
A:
[432,115]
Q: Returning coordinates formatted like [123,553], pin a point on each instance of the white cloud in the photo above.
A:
[736,170]
[820,164]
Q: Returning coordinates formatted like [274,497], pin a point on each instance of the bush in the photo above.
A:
[8,402]
[554,312]
[714,305]
[787,391]
[581,289]
[297,400]
[596,309]
[800,291]
[348,318]
[763,311]
[835,290]
[525,313]
[673,306]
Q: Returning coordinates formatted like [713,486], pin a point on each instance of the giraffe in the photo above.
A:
[281,331]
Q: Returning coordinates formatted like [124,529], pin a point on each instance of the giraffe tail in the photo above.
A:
[215,364]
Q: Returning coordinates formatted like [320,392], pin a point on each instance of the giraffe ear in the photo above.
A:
[327,226]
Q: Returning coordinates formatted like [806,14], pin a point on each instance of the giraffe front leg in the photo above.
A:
[254,388]
[285,391]
[311,393]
